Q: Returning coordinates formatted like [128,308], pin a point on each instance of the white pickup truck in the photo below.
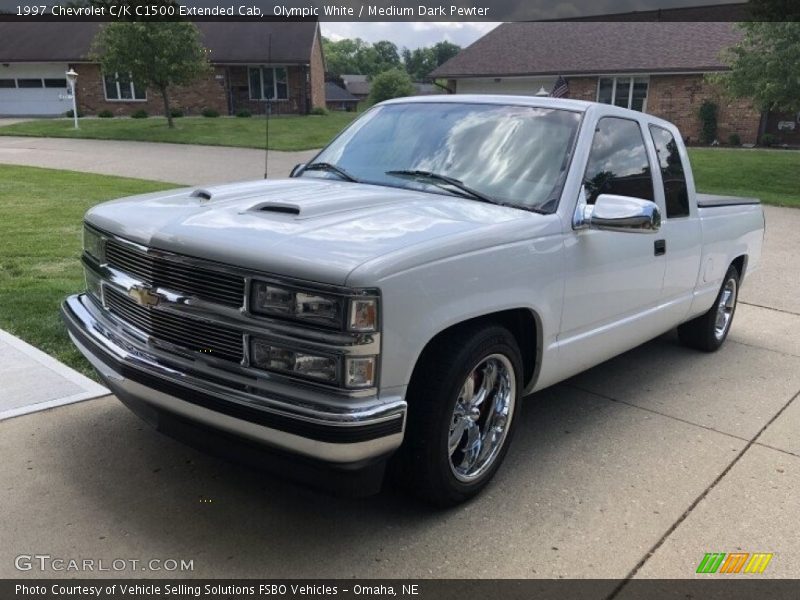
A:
[395,300]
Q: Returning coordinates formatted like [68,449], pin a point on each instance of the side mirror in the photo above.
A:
[297,170]
[618,213]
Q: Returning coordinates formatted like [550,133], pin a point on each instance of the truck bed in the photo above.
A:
[712,200]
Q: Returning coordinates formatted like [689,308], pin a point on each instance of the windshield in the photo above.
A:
[516,155]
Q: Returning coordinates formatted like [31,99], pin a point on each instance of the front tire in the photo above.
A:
[463,399]
[708,331]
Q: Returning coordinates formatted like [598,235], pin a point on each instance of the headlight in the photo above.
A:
[264,355]
[270,299]
[93,285]
[306,305]
[93,244]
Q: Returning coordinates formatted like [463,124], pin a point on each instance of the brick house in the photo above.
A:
[246,70]
[658,68]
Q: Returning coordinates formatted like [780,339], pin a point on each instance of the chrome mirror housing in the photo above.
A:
[617,213]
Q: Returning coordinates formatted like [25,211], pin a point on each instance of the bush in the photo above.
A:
[210,113]
[734,139]
[244,114]
[390,84]
[105,114]
[139,114]
[70,114]
[768,139]
[176,113]
[708,120]
[318,110]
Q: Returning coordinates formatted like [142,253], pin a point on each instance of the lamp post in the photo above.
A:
[72,77]
[542,92]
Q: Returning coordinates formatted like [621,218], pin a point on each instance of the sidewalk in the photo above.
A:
[31,380]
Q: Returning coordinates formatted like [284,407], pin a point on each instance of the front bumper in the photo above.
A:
[138,374]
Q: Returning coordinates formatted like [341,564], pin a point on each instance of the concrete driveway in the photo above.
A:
[175,163]
[636,468]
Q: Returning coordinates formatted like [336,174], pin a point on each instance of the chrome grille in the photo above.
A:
[192,334]
[207,284]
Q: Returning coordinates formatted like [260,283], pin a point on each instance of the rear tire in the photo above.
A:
[708,331]
[463,402]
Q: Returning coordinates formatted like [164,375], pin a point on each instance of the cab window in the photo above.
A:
[618,162]
[673,175]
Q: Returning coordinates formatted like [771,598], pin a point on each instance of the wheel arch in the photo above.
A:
[740,262]
[523,323]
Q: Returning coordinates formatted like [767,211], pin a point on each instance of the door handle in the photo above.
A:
[660,247]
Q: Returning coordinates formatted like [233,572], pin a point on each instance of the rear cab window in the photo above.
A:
[673,174]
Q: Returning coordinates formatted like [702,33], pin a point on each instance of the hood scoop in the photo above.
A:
[277,207]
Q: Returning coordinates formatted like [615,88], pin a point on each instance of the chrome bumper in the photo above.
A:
[331,433]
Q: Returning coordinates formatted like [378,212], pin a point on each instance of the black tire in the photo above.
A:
[423,465]
[702,332]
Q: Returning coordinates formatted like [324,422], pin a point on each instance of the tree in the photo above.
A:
[421,61]
[765,66]
[390,84]
[159,54]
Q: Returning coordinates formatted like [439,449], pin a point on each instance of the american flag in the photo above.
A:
[560,89]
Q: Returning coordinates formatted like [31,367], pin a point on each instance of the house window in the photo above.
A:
[625,92]
[268,83]
[55,83]
[8,83]
[618,162]
[120,86]
[676,195]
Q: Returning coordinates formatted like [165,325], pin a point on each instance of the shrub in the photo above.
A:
[176,113]
[734,139]
[210,113]
[768,139]
[105,114]
[244,114]
[708,120]
[139,114]
[70,114]
[390,84]
[318,110]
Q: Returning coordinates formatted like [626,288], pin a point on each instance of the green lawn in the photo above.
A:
[771,175]
[285,132]
[40,227]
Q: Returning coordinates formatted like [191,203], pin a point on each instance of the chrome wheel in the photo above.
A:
[481,417]
[725,306]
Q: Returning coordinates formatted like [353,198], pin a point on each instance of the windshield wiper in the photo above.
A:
[439,179]
[331,168]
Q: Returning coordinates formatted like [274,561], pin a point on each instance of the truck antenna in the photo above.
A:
[268,109]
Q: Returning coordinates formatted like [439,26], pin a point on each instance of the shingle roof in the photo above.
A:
[593,47]
[335,93]
[229,42]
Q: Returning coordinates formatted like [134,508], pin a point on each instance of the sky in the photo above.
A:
[409,34]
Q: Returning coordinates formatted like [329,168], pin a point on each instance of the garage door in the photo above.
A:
[33,90]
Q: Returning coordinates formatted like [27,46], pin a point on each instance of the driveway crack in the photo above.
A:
[615,592]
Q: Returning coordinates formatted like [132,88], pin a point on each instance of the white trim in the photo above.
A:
[632,81]
[119,90]
[261,82]
[92,389]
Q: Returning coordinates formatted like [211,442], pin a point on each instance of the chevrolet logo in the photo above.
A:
[143,296]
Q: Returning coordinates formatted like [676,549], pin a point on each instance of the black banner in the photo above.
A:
[711,588]
[399,10]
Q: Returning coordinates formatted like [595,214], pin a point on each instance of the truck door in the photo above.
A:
[680,223]
[613,280]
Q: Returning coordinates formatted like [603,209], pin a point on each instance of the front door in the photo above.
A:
[613,280]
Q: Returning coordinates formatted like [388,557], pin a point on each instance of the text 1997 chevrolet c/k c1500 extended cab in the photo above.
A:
[394,300]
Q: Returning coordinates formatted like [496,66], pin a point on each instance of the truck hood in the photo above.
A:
[312,229]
